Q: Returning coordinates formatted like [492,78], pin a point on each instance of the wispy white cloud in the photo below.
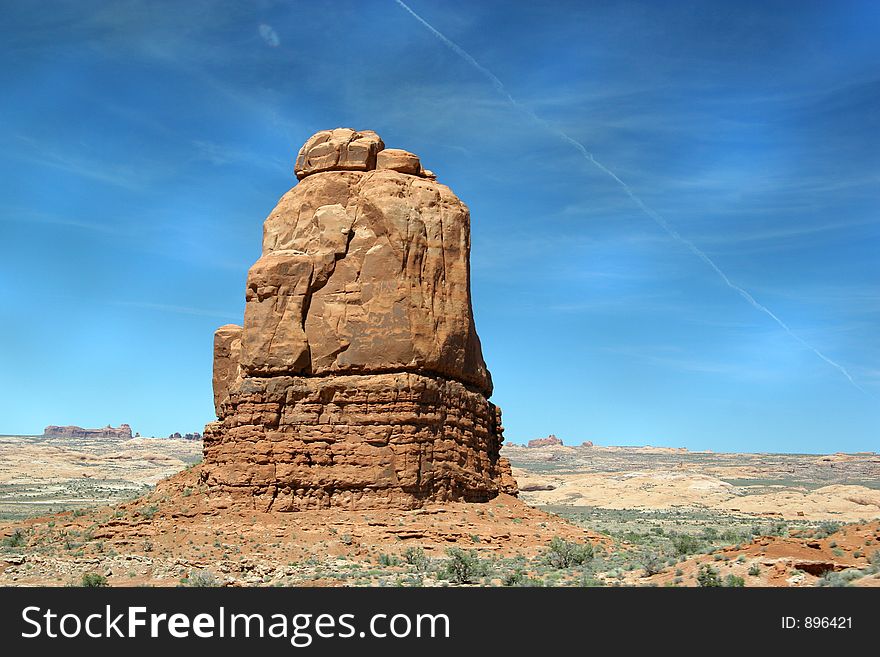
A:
[269,35]
[112,173]
[674,358]
[180,310]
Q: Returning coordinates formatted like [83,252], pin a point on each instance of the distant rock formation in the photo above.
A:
[357,379]
[549,441]
[587,443]
[122,432]
[187,436]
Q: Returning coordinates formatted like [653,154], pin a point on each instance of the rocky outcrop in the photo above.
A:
[122,432]
[357,379]
[186,436]
[549,441]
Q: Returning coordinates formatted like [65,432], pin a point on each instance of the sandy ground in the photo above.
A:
[788,486]
[794,561]
[177,529]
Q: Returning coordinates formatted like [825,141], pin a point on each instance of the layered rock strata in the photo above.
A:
[357,379]
[122,432]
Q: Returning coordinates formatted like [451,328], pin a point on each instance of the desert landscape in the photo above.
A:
[595,516]
[356,444]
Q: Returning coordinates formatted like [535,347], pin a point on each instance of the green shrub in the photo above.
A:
[148,511]
[93,580]
[685,544]
[708,576]
[565,554]
[463,565]
[734,581]
[778,529]
[755,570]
[829,527]
[201,578]
[843,578]
[652,562]
[388,560]
[15,540]
[415,557]
[515,578]
[875,562]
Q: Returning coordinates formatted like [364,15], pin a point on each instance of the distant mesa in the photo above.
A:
[549,441]
[122,432]
[187,436]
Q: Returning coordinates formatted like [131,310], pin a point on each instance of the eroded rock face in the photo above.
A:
[122,432]
[342,149]
[357,378]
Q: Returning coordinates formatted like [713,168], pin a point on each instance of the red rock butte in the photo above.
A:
[357,379]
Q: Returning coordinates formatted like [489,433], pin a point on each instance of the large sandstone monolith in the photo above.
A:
[357,379]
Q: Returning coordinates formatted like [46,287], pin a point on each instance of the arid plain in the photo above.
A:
[595,516]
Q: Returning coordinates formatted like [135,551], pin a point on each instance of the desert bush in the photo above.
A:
[734,581]
[565,554]
[843,578]
[93,580]
[15,540]
[463,565]
[148,511]
[708,576]
[388,560]
[828,527]
[652,562]
[514,578]
[685,544]
[201,578]
[415,557]
[755,570]
[778,529]
[875,562]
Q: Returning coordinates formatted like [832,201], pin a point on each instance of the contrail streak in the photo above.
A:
[653,214]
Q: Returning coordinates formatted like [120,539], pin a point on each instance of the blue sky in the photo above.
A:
[143,143]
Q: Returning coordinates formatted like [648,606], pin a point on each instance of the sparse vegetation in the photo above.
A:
[148,511]
[415,557]
[652,562]
[388,560]
[463,566]
[15,540]
[93,580]
[685,544]
[831,578]
[201,578]
[827,528]
[708,576]
[734,581]
[565,554]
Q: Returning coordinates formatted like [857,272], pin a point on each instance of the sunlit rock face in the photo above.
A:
[357,379]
